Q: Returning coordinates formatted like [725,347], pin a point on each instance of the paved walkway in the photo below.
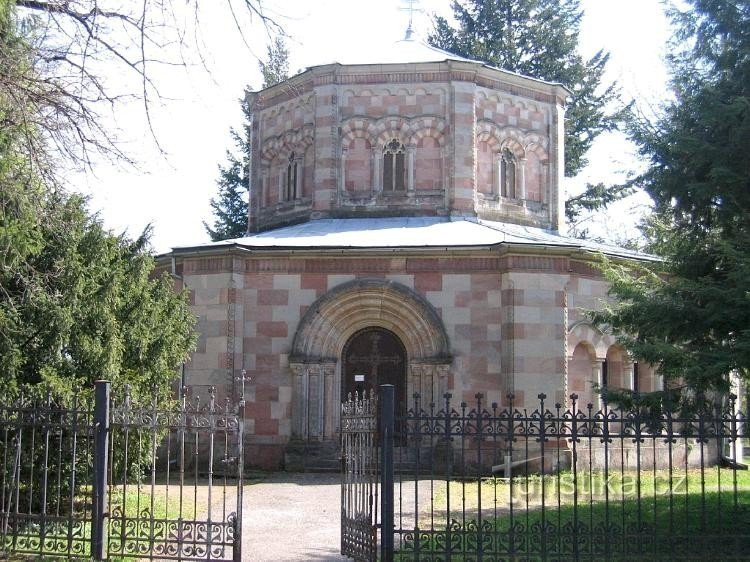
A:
[292,517]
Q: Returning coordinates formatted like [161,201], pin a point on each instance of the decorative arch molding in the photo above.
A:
[356,127]
[518,141]
[332,320]
[597,338]
[380,131]
[360,303]
[294,140]
[290,106]
[427,126]
[391,127]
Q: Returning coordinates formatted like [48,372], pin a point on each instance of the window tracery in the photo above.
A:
[394,166]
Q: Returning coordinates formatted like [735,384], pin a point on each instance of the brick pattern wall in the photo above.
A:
[353,112]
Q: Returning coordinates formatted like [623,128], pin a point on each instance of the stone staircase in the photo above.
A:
[320,456]
[325,456]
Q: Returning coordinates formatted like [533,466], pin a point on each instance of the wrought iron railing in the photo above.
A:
[46,477]
[480,482]
[108,478]
[359,480]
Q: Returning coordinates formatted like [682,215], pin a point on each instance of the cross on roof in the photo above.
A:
[410,7]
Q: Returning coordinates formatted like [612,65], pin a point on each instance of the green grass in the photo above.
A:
[699,519]
[137,501]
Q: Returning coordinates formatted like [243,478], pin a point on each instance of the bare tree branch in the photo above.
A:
[84,50]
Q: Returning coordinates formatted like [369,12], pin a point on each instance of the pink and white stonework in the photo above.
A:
[417,202]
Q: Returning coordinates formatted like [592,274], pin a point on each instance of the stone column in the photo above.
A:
[596,377]
[377,160]
[628,373]
[442,380]
[299,400]
[331,402]
[414,384]
[299,163]
[498,175]
[315,403]
[521,179]
[264,187]
[430,381]
[312,415]
[410,162]
[342,175]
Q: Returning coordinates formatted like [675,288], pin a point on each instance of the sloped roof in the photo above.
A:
[409,233]
[400,52]
[412,51]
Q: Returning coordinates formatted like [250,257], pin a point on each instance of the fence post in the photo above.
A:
[386,493]
[101,448]
[237,546]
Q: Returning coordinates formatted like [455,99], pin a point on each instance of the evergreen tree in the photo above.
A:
[690,316]
[77,303]
[230,204]
[539,38]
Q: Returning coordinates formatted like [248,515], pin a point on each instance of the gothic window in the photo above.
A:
[290,189]
[508,174]
[394,168]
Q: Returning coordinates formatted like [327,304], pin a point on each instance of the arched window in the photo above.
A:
[394,168]
[508,174]
[290,189]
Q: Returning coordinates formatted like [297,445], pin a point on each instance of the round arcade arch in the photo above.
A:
[330,323]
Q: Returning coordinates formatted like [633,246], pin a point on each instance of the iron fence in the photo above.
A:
[564,482]
[113,479]
[359,481]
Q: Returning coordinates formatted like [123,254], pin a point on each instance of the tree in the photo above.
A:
[89,55]
[539,38]
[77,302]
[690,315]
[230,204]
[81,303]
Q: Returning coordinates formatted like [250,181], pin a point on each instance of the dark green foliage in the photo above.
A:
[538,38]
[276,67]
[230,205]
[82,304]
[691,314]
[77,303]
[595,196]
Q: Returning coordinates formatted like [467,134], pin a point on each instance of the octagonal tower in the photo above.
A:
[419,133]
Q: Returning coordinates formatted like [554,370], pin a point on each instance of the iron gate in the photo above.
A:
[359,485]
[121,480]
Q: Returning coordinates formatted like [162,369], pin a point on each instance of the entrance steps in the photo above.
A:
[325,456]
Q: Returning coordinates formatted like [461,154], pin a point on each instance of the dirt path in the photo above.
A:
[292,517]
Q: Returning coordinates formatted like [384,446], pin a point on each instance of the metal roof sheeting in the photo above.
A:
[412,232]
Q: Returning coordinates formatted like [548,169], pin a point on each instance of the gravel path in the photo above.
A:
[291,517]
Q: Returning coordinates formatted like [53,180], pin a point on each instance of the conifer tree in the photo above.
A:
[77,303]
[539,38]
[690,315]
[230,204]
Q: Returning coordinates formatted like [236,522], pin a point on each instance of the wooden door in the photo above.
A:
[372,357]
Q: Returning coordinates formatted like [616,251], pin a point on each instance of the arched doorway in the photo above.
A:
[374,356]
[329,331]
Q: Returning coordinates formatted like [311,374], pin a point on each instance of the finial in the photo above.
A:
[410,7]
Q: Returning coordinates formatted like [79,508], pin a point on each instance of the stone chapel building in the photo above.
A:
[404,223]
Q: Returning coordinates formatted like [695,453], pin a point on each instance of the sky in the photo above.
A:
[174,181]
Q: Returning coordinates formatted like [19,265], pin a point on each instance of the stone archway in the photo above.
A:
[330,323]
